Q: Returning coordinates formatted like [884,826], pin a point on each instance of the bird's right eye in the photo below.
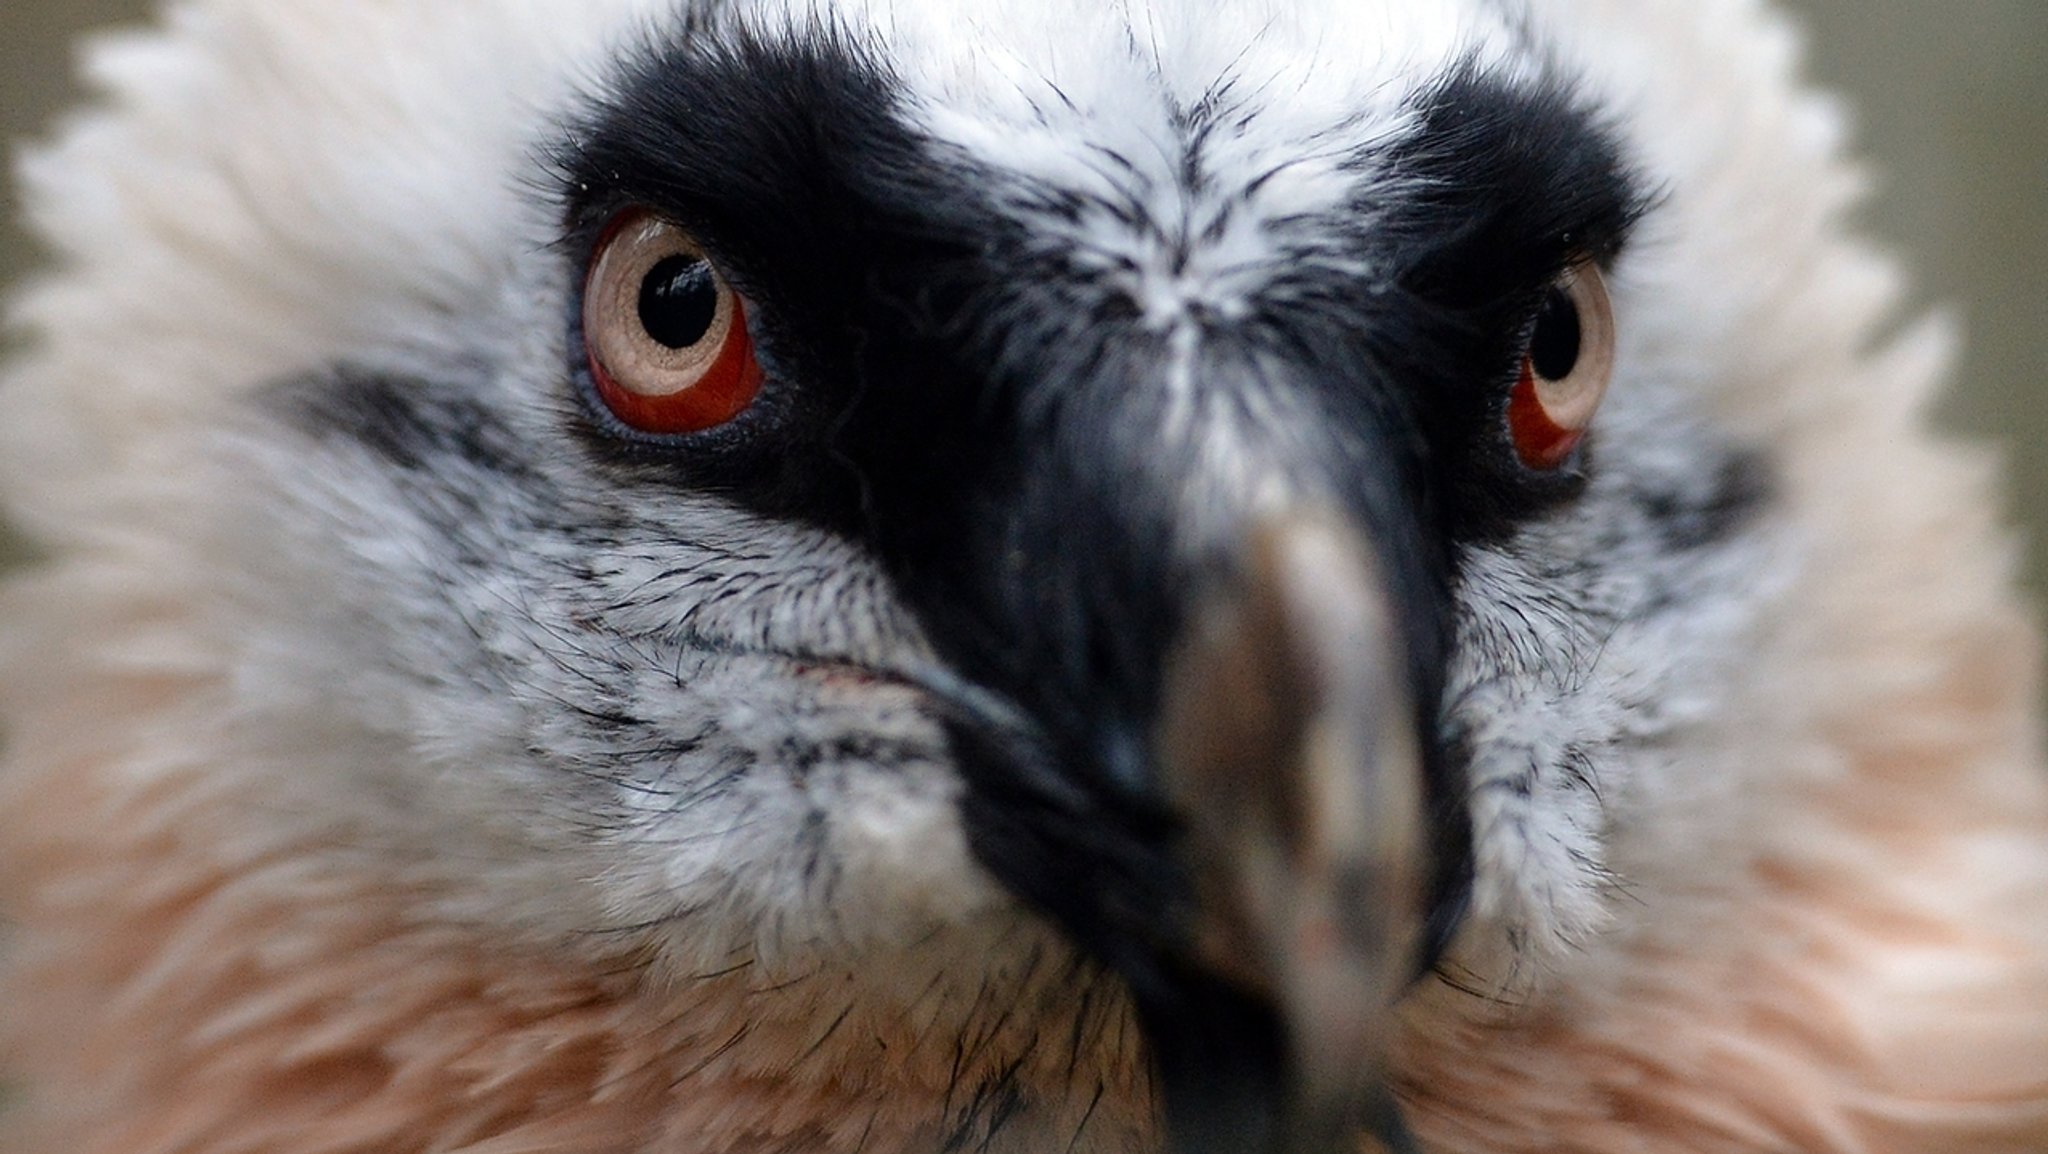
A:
[666,335]
[1565,369]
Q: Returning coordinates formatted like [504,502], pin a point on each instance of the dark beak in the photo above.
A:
[1192,700]
[1287,745]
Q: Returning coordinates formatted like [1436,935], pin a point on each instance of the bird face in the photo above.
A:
[1230,493]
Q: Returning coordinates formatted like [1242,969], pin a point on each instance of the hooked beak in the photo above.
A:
[1287,745]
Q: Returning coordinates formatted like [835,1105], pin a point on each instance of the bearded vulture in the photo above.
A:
[1074,576]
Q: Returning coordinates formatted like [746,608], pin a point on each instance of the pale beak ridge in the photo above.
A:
[1288,744]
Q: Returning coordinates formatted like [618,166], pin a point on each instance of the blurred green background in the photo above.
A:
[1953,99]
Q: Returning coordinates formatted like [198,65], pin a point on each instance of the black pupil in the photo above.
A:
[678,301]
[1554,346]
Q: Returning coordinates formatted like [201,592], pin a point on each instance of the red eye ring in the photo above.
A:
[1539,442]
[666,336]
[726,389]
[1565,370]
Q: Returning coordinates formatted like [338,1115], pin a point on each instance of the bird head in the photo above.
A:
[1051,469]
[1248,493]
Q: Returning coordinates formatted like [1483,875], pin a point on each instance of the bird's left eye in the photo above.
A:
[667,336]
[1565,369]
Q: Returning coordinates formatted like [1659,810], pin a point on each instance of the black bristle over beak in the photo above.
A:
[1222,1064]
[1225,1072]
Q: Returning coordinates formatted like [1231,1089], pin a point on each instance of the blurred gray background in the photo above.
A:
[1954,115]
